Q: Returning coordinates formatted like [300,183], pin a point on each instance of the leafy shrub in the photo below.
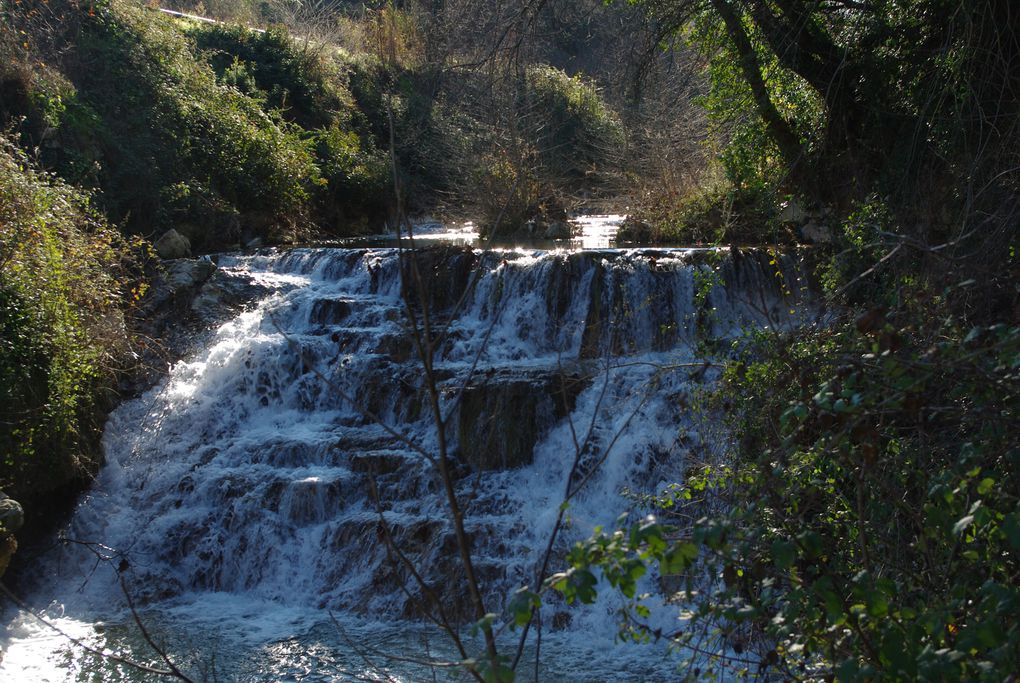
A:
[299,82]
[356,182]
[873,529]
[560,138]
[162,121]
[435,134]
[715,213]
[576,132]
[885,538]
[509,194]
[309,88]
[61,280]
[218,131]
[859,246]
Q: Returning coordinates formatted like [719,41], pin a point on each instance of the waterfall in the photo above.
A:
[275,462]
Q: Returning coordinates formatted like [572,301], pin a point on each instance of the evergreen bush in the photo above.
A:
[62,278]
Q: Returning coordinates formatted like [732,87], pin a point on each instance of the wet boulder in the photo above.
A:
[12,515]
[186,273]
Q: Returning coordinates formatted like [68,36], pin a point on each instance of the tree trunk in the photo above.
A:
[779,128]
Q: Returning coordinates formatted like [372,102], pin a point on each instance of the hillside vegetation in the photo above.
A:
[126,101]
[64,276]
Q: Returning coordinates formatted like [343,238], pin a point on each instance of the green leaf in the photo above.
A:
[897,653]
[1011,527]
[962,525]
[495,672]
[678,558]
[521,605]
[878,606]
[583,582]
[834,608]
[783,554]
[483,623]
[574,584]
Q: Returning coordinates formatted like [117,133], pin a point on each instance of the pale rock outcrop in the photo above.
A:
[172,245]
[187,273]
[12,517]
[793,212]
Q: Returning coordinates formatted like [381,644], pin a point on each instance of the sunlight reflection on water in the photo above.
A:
[225,637]
[589,232]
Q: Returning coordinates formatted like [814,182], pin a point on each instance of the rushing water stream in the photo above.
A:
[245,501]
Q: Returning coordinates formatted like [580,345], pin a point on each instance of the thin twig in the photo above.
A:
[145,633]
[111,656]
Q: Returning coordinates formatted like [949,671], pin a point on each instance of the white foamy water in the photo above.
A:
[248,497]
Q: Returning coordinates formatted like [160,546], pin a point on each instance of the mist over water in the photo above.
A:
[246,499]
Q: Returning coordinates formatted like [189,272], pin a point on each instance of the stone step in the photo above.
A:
[333,311]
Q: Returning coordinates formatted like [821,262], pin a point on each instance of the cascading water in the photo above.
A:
[254,489]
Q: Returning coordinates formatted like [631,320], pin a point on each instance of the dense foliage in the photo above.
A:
[308,87]
[838,103]
[62,278]
[887,499]
[222,133]
[577,131]
[873,522]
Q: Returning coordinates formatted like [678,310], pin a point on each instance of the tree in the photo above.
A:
[906,83]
